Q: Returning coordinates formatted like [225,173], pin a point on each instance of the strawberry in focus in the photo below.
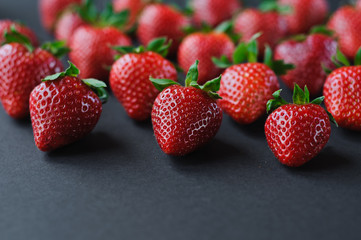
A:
[65,108]
[185,118]
[129,77]
[6,25]
[297,132]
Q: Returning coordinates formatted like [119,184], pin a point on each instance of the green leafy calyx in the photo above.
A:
[57,48]
[278,66]
[71,71]
[13,36]
[322,29]
[274,6]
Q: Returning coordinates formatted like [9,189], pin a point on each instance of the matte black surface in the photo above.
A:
[117,184]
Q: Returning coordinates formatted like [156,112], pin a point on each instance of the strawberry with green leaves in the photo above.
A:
[185,118]
[22,66]
[342,91]
[129,77]
[6,26]
[92,43]
[297,132]
[246,84]
[65,108]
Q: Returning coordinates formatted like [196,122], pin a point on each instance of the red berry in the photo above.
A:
[5,25]
[66,25]
[134,6]
[358,4]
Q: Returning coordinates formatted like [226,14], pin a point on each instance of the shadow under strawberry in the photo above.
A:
[255,129]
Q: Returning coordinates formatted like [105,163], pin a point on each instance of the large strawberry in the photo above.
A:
[213,12]
[6,25]
[185,118]
[65,108]
[342,92]
[346,22]
[129,77]
[309,54]
[50,10]
[203,46]
[305,14]
[246,87]
[160,20]
[297,132]
[134,6]
[92,43]
[22,67]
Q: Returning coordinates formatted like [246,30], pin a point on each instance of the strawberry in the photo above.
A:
[342,92]
[134,6]
[246,87]
[358,4]
[297,132]
[64,108]
[22,67]
[203,46]
[92,43]
[309,54]
[213,12]
[50,10]
[6,25]
[67,24]
[129,77]
[160,20]
[305,14]
[346,22]
[185,118]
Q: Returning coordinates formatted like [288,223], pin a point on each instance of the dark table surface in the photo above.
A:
[117,184]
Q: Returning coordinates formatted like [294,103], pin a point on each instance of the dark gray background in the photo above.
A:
[117,184]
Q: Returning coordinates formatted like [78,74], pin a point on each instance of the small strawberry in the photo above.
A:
[21,69]
[65,27]
[92,43]
[305,14]
[160,20]
[185,118]
[129,77]
[50,10]
[203,46]
[346,22]
[6,25]
[309,54]
[246,87]
[342,92]
[297,132]
[65,108]
[213,12]
[134,6]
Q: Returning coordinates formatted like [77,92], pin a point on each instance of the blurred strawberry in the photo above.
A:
[67,24]
[6,25]
[134,6]
[358,4]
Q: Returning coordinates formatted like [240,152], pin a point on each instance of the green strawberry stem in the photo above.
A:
[340,60]
[322,29]
[15,37]
[57,48]
[273,6]
[300,97]
[211,87]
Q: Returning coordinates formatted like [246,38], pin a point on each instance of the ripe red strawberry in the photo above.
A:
[246,87]
[309,54]
[203,46]
[129,77]
[92,43]
[213,12]
[65,108]
[67,24]
[6,25]
[185,118]
[160,20]
[346,22]
[21,68]
[297,132]
[50,10]
[305,14]
[358,4]
[342,93]
[134,7]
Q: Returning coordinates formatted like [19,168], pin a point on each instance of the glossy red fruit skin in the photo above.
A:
[91,50]
[66,26]
[305,14]
[202,47]
[50,10]
[346,23]
[184,119]
[134,6]
[214,12]
[129,80]
[62,112]
[160,20]
[342,93]
[272,25]
[307,57]
[20,72]
[297,133]
[5,25]
[245,90]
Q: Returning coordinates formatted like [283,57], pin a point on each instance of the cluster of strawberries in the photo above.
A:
[66,105]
